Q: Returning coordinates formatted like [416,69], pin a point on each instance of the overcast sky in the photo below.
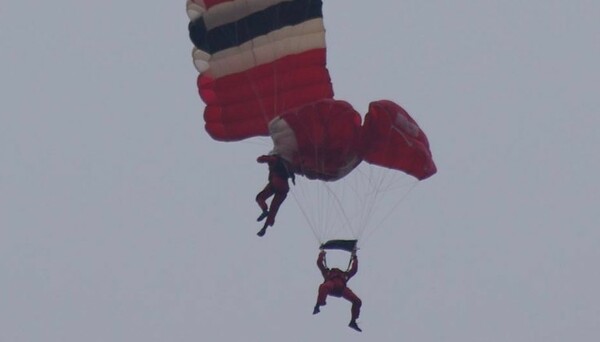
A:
[121,220]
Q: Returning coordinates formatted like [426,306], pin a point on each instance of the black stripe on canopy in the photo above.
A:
[287,13]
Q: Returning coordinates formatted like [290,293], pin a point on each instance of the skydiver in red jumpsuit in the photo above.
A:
[277,187]
[335,285]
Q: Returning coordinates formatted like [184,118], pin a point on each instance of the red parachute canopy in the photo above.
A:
[262,72]
[391,138]
[256,60]
[320,139]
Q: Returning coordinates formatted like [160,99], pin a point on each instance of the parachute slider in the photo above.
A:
[345,245]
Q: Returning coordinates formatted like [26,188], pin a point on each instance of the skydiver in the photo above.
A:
[335,285]
[277,187]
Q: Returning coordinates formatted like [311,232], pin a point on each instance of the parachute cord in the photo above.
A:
[341,208]
[349,264]
[389,213]
[325,203]
[373,199]
[307,219]
[367,201]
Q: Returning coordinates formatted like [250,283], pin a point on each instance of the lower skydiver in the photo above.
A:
[334,284]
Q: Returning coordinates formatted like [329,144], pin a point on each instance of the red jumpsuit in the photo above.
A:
[335,284]
[277,185]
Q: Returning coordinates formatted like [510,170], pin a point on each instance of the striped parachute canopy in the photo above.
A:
[256,59]
[262,72]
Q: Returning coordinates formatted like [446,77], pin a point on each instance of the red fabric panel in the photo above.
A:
[211,3]
[242,87]
[328,137]
[247,119]
[393,139]
[241,105]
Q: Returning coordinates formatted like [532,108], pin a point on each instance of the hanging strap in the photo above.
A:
[349,264]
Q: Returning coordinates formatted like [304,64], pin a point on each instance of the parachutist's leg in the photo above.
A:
[275,204]
[278,187]
[324,290]
[261,199]
[356,303]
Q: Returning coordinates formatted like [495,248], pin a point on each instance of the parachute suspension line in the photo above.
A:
[311,224]
[377,184]
[365,202]
[386,183]
[401,199]
[349,264]
[322,209]
[316,155]
[347,222]
[319,205]
[360,197]
[369,202]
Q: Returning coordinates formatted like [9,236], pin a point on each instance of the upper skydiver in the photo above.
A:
[279,173]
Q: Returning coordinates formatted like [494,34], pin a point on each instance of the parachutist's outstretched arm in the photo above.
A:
[321,263]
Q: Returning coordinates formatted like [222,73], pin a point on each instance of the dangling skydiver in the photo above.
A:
[334,284]
[278,187]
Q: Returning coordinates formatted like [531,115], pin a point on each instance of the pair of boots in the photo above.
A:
[352,324]
[262,216]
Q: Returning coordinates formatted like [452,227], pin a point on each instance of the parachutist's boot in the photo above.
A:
[262,216]
[316,310]
[354,326]
[262,231]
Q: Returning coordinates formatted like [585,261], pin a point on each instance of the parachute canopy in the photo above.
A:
[262,71]
[256,59]
[321,139]
[391,138]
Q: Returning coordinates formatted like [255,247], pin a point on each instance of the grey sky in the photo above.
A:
[121,220]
